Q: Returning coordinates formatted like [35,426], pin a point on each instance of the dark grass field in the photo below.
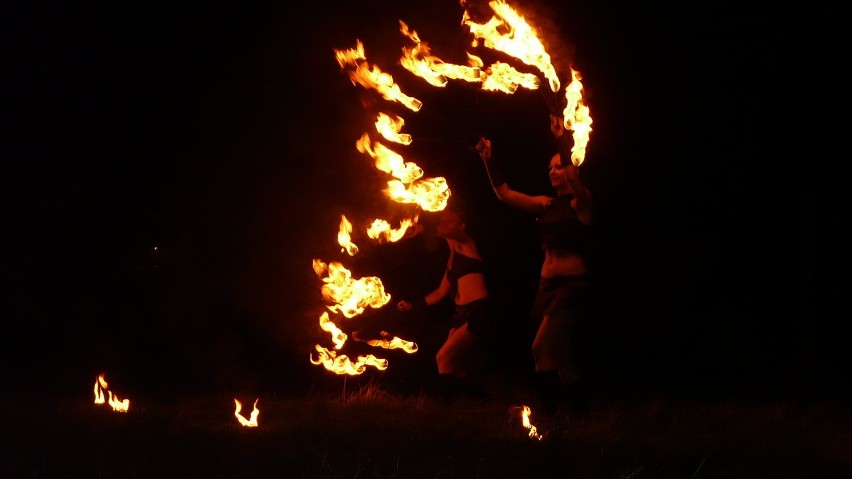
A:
[367,430]
[154,233]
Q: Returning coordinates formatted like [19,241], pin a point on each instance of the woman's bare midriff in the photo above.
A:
[470,288]
[562,263]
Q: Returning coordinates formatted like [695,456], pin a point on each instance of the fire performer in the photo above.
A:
[462,357]
[563,298]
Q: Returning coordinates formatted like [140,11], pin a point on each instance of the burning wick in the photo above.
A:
[254,413]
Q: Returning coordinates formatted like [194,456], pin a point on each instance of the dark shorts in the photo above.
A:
[477,315]
[561,295]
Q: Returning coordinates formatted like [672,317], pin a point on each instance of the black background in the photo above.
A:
[174,170]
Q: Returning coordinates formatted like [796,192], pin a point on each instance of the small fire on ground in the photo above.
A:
[252,421]
[101,386]
[526,412]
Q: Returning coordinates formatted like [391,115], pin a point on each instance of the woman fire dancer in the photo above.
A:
[462,355]
[562,300]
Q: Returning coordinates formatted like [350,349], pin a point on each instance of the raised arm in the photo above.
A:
[516,199]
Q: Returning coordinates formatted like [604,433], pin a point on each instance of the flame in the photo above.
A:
[118,405]
[420,61]
[390,126]
[508,32]
[577,119]
[252,422]
[505,78]
[380,230]
[497,77]
[525,418]
[100,386]
[338,337]
[430,194]
[362,74]
[388,160]
[518,39]
[393,342]
[344,239]
[343,365]
[349,296]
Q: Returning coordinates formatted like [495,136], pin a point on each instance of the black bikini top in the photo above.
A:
[560,228]
[462,265]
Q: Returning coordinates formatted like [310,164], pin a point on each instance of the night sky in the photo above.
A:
[175,170]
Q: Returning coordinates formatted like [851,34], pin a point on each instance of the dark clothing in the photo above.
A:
[562,296]
[462,265]
[560,228]
[476,313]
[560,315]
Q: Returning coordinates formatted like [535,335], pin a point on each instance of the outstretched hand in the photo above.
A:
[484,148]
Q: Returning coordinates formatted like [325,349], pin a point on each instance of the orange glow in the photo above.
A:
[360,72]
[252,422]
[348,296]
[344,239]
[118,405]
[577,119]
[509,33]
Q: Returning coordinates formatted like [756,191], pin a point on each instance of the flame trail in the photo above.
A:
[508,32]
[361,73]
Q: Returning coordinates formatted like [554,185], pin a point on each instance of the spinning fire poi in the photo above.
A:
[506,31]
